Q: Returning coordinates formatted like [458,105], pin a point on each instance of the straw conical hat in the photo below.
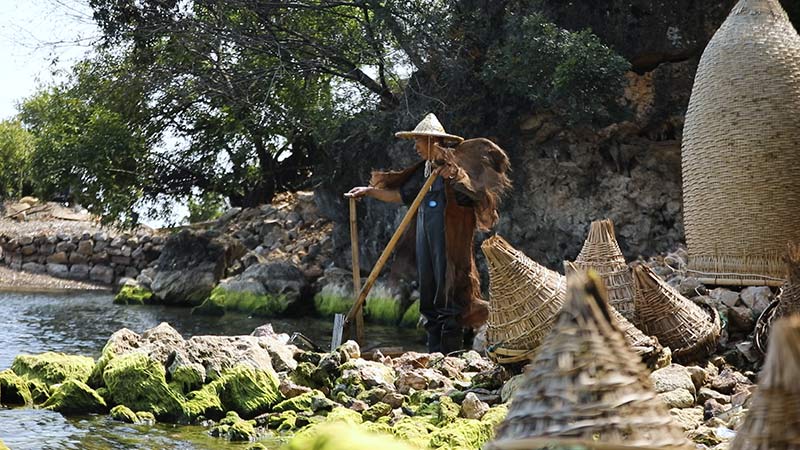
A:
[586,387]
[429,126]
[773,421]
[788,301]
[689,330]
[601,252]
[645,346]
[525,298]
[741,173]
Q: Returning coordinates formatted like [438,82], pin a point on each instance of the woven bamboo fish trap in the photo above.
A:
[741,173]
[585,386]
[525,298]
[601,252]
[691,331]
[788,301]
[645,346]
[773,420]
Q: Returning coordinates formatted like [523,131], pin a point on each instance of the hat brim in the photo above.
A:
[416,134]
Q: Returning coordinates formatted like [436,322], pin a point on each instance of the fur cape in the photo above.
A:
[481,175]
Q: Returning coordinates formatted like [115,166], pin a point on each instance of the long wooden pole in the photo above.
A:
[373,276]
[356,268]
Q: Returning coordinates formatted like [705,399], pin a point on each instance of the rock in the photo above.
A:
[678,398]
[476,363]
[376,411]
[349,350]
[672,377]
[14,389]
[124,414]
[79,272]
[511,386]
[133,293]
[138,382]
[218,354]
[704,394]
[85,248]
[757,298]
[53,368]
[393,399]
[689,286]
[725,296]
[290,389]
[741,318]
[742,395]
[308,402]
[34,267]
[704,435]
[748,351]
[699,376]
[370,373]
[243,389]
[102,274]
[473,408]
[712,408]
[727,380]
[75,397]
[190,266]
[409,380]
[58,270]
[281,354]
[688,418]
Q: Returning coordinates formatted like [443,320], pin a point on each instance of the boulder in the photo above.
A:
[53,368]
[139,382]
[75,397]
[688,418]
[678,398]
[672,377]
[727,380]
[369,373]
[757,298]
[218,354]
[102,274]
[472,407]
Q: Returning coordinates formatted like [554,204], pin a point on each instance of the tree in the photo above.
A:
[16,145]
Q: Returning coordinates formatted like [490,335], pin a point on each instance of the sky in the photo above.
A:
[39,39]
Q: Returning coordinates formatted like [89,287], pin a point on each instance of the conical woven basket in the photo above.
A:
[645,346]
[788,301]
[601,252]
[773,420]
[525,298]
[691,331]
[741,173]
[586,387]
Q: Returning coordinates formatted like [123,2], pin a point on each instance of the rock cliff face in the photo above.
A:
[566,176]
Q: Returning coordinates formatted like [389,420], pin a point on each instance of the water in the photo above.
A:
[80,323]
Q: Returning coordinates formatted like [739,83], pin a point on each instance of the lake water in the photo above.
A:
[80,323]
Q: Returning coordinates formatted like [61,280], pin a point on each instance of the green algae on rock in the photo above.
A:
[133,294]
[138,382]
[411,316]
[341,436]
[242,389]
[40,392]
[333,299]
[376,411]
[75,397]
[234,428]
[308,402]
[382,306]
[261,305]
[14,389]
[461,433]
[52,368]
[122,413]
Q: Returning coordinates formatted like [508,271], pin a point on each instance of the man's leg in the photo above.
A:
[447,311]
[427,290]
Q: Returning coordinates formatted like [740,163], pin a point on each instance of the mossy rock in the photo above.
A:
[14,389]
[242,389]
[204,402]
[414,430]
[40,392]
[146,418]
[261,305]
[187,378]
[75,397]
[303,374]
[53,368]
[307,402]
[385,310]
[332,300]
[411,316]
[234,428]
[133,295]
[376,411]
[495,415]
[344,415]
[462,433]
[122,413]
[284,421]
[440,412]
[138,382]
[343,437]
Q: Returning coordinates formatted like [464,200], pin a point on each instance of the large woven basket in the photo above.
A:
[585,387]
[525,298]
[741,171]
[787,303]
[645,346]
[601,252]
[691,331]
[773,420]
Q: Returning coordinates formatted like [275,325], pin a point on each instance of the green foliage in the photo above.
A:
[333,299]
[16,146]
[572,73]
[204,207]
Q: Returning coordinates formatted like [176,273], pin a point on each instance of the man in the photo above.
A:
[464,197]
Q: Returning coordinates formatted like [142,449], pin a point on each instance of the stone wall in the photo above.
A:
[100,257]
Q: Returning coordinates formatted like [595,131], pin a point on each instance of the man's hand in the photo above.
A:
[358,192]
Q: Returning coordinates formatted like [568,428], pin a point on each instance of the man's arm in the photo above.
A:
[384,195]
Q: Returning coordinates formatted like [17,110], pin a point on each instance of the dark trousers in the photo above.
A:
[442,326]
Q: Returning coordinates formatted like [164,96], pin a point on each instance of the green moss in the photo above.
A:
[138,382]
[381,427]
[495,415]
[204,403]
[124,414]
[52,368]
[333,299]
[343,437]
[187,378]
[14,389]
[230,418]
[75,397]
[39,391]
[414,430]
[133,295]
[411,316]
[376,411]
[344,415]
[462,433]
[307,402]
[383,306]
[285,421]
[303,373]
[146,417]
[222,300]
[440,412]
[233,428]
[248,391]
